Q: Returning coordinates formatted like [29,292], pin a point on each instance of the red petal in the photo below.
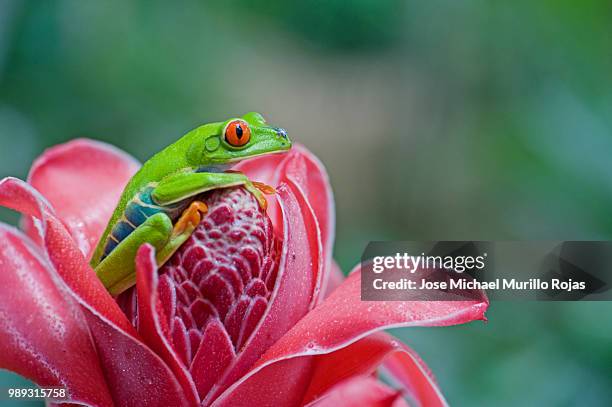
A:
[305,169]
[279,387]
[363,357]
[304,172]
[43,335]
[215,353]
[80,277]
[136,376]
[83,180]
[295,285]
[361,391]
[69,261]
[405,367]
[266,169]
[152,324]
[343,319]
[134,373]
[295,176]
[313,232]
[18,196]
[336,277]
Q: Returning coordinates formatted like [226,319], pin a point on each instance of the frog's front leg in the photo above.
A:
[180,186]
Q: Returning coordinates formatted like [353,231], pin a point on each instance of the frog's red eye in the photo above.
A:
[237,133]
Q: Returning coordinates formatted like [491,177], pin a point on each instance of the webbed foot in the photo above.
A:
[182,230]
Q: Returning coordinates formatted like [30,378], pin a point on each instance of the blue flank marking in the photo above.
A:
[110,245]
[136,212]
[122,229]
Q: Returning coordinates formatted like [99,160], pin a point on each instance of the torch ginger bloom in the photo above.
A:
[251,311]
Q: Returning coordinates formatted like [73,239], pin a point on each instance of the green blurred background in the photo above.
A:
[436,120]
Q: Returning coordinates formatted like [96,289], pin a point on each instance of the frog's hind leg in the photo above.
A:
[183,228]
[118,271]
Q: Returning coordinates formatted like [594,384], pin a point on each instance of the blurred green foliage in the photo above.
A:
[328,25]
[436,120]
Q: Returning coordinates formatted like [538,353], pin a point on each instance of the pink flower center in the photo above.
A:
[224,273]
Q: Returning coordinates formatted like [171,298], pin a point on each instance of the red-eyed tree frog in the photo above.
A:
[159,205]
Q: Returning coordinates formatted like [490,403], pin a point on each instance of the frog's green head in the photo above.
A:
[236,139]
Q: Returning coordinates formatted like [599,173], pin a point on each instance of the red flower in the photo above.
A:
[313,342]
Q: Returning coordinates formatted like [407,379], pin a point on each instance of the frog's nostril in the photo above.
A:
[281,132]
